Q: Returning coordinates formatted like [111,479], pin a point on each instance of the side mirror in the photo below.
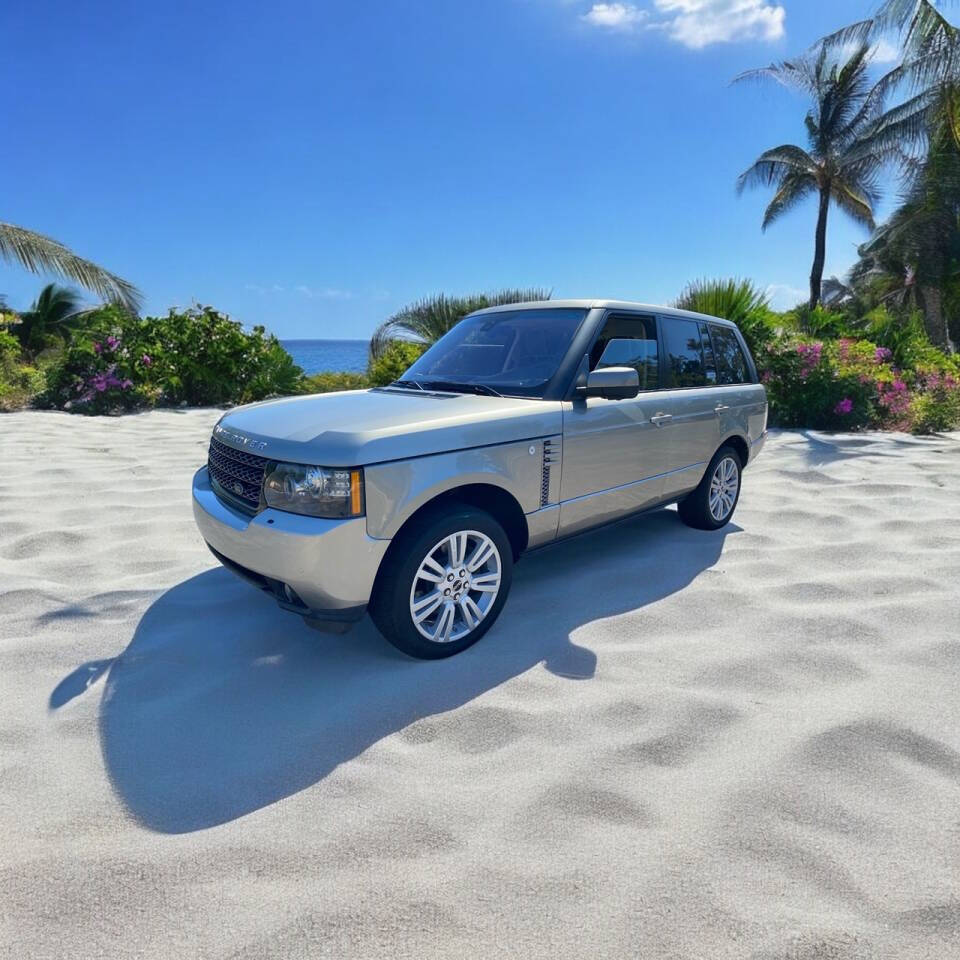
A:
[611,383]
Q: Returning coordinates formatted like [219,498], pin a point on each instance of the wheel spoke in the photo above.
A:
[472,614]
[444,624]
[486,582]
[431,570]
[426,605]
[480,556]
[456,548]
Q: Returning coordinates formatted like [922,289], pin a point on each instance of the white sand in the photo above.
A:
[674,744]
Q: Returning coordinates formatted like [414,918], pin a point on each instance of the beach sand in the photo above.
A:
[673,744]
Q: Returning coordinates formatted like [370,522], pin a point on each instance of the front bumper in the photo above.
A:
[329,564]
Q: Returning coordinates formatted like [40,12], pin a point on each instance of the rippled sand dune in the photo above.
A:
[674,743]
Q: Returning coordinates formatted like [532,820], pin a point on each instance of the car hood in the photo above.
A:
[359,427]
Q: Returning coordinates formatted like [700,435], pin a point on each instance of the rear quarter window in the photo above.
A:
[732,365]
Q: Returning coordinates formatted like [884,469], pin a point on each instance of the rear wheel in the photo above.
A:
[444,583]
[711,505]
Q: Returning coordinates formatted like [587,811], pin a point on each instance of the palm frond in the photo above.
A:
[774,165]
[854,203]
[427,320]
[794,189]
[41,254]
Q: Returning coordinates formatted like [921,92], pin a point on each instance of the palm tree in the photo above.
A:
[427,320]
[40,254]
[841,163]
[57,311]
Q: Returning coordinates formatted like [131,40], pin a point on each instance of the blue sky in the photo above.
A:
[313,166]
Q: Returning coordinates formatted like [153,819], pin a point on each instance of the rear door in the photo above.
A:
[741,403]
[688,399]
[614,454]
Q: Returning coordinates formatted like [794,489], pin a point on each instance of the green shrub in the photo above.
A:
[331,381]
[394,361]
[19,381]
[938,407]
[197,357]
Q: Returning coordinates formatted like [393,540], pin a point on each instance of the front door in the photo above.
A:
[614,452]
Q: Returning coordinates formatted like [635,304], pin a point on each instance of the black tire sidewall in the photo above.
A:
[390,606]
[695,509]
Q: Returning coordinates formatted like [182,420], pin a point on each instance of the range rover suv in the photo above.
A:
[523,425]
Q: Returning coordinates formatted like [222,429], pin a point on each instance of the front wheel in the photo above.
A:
[443,584]
[711,505]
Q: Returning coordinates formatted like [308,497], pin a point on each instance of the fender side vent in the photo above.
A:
[549,457]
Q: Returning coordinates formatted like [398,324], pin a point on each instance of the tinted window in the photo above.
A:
[731,363]
[709,363]
[629,341]
[515,352]
[684,353]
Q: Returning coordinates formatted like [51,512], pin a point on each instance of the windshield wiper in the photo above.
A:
[480,388]
[406,383]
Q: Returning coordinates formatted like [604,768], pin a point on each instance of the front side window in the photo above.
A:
[731,363]
[514,352]
[629,341]
[684,353]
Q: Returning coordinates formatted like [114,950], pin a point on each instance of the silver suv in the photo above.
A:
[523,425]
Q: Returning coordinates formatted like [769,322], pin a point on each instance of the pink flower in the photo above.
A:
[126,384]
[765,377]
[112,343]
[145,360]
[844,406]
[97,347]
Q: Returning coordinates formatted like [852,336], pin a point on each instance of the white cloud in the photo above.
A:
[615,16]
[782,296]
[327,293]
[700,23]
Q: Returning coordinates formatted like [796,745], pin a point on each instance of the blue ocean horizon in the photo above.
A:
[316,356]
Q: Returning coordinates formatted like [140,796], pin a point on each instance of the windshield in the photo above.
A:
[513,352]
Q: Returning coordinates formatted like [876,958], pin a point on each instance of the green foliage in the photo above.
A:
[938,408]
[56,315]
[394,361]
[818,322]
[19,381]
[330,381]
[848,384]
[736,300]
[197,356]
[427,320]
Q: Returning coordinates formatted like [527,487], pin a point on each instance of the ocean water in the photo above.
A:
[315,356]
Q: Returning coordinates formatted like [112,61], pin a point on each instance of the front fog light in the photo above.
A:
[314,491]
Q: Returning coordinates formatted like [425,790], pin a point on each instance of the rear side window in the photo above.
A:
[684,351]
[731,363]
[629,341]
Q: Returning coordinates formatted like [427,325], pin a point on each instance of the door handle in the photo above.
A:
[720,407]
[659,418]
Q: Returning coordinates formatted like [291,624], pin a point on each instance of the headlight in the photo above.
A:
[315,491]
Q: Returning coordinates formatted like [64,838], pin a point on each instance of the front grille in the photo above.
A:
[237,473]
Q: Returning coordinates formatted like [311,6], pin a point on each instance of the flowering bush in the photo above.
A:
[849,384]
[198,357]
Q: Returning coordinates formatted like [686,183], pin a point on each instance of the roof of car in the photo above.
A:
[606,305]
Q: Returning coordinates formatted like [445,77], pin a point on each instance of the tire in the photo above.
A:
[725,469]
[406,589]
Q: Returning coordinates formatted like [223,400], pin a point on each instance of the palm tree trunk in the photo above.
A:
[820,246]
[933,319]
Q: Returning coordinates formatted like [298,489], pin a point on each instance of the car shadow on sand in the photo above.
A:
[222,704]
